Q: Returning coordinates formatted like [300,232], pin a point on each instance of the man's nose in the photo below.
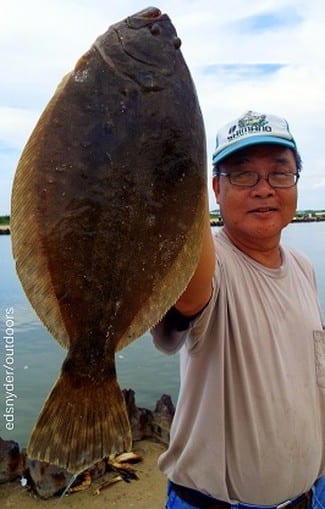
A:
[263,187]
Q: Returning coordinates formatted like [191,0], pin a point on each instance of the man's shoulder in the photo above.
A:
[296,257]
[296,254]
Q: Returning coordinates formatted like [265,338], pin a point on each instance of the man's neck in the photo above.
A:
[264,251]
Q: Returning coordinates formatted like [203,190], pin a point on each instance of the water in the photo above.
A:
[38,358]
[310,239]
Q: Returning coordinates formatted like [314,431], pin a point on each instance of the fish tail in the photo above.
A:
[80,425]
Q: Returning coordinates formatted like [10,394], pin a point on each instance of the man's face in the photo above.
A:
[256,214]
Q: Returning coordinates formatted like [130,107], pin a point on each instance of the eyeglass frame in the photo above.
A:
[259,178]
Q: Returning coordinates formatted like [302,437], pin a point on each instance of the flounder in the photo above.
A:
[107,212]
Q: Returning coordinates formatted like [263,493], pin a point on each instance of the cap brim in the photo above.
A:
[253,140]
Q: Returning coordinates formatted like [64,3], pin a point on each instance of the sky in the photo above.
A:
[262,56]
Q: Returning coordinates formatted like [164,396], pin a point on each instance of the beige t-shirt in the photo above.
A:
[249,422]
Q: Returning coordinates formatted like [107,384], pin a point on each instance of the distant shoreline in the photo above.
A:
[5,229]
[219,222]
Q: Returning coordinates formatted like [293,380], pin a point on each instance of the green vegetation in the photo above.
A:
[215,214]
[4,220]
[310,213]
[301,216]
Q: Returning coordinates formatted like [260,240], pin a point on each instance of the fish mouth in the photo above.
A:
[146,17]
[149,15]
[150,12]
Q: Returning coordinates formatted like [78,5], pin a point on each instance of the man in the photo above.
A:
[249,423]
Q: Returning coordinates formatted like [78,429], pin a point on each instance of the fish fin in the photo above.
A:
[80,425]
[31,266]
[28,246]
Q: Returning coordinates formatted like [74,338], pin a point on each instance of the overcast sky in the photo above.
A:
[265,56]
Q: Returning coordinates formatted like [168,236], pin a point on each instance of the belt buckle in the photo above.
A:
[283,504]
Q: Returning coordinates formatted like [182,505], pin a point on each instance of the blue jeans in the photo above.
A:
[319,494]
[174,502]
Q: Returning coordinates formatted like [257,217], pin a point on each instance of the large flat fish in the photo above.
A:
[107,211]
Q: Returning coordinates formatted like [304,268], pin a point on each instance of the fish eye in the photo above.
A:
[177,42]
[155,29]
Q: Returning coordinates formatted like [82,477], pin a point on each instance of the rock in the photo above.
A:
[147,424]
[45,479]
[162,419]
[48,480]
[140,418]
[11,460]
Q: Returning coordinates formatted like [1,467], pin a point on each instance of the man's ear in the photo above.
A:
[216,187]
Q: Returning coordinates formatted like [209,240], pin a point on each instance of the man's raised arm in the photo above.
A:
[199,289]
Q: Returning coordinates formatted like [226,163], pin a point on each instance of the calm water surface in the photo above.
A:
[140,366]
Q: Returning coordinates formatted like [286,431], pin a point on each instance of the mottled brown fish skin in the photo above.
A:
[107,212]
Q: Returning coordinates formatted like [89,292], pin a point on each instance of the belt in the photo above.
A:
[202,501]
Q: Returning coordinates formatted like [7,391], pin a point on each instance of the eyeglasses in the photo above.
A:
[277,179]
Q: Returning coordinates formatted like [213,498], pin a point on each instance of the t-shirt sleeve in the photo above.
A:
[170,334]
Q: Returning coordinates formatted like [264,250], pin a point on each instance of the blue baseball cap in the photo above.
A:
[252,128]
